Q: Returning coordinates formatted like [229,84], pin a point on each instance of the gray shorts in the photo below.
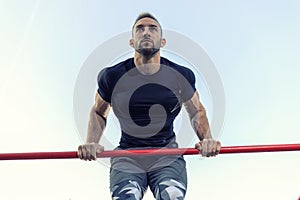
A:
[165,175]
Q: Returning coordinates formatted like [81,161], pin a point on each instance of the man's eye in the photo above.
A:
[153,28]
[138,29]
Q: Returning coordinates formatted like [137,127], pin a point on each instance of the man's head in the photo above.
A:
[146,15]
[147,35]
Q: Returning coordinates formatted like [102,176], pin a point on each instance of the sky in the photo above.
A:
[253,47]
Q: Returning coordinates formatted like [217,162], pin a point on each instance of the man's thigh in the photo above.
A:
[170,181]
[127,180]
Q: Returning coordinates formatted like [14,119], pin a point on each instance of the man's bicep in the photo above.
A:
[193,105]
[101,107]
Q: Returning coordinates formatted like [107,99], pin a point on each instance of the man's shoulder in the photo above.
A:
[114,72]
[180,68]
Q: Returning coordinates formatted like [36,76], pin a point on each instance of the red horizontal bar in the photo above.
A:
[38,155]
[150,152]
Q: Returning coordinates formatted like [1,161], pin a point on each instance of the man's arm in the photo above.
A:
[96,126]
[197,113]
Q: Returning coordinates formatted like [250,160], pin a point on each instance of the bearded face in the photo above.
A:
[146,37]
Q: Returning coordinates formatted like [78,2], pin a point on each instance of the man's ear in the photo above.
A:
[131,42]
[163,42]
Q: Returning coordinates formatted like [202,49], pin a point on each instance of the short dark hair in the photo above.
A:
[146,15]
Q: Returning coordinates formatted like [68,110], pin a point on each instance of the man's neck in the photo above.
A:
[147,66]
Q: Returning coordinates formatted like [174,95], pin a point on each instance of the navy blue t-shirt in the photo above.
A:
[146,105]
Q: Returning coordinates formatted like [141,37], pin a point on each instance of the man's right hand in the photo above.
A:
[89,151]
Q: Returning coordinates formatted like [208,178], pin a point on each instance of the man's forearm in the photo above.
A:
[201,125]
[96,127]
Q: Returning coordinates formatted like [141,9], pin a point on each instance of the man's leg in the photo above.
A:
[127,180]
[169,182]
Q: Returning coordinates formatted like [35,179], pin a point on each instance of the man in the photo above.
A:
[146,93]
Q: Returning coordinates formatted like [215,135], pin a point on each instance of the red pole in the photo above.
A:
[150,152]
[38,155]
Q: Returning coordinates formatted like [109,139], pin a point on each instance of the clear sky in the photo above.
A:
[254,46]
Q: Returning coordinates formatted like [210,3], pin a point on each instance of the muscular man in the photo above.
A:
[146,93]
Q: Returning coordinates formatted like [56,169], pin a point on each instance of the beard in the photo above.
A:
[147,52]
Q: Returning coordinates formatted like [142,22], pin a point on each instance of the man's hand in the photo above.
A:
[89,151]
[208,147]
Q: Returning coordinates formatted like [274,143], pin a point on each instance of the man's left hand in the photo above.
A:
[208,147]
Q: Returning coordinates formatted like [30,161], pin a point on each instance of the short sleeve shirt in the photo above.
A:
[146,105]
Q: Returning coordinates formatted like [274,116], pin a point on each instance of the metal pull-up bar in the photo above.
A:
[150,152]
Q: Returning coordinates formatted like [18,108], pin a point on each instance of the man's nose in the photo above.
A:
[146,32]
